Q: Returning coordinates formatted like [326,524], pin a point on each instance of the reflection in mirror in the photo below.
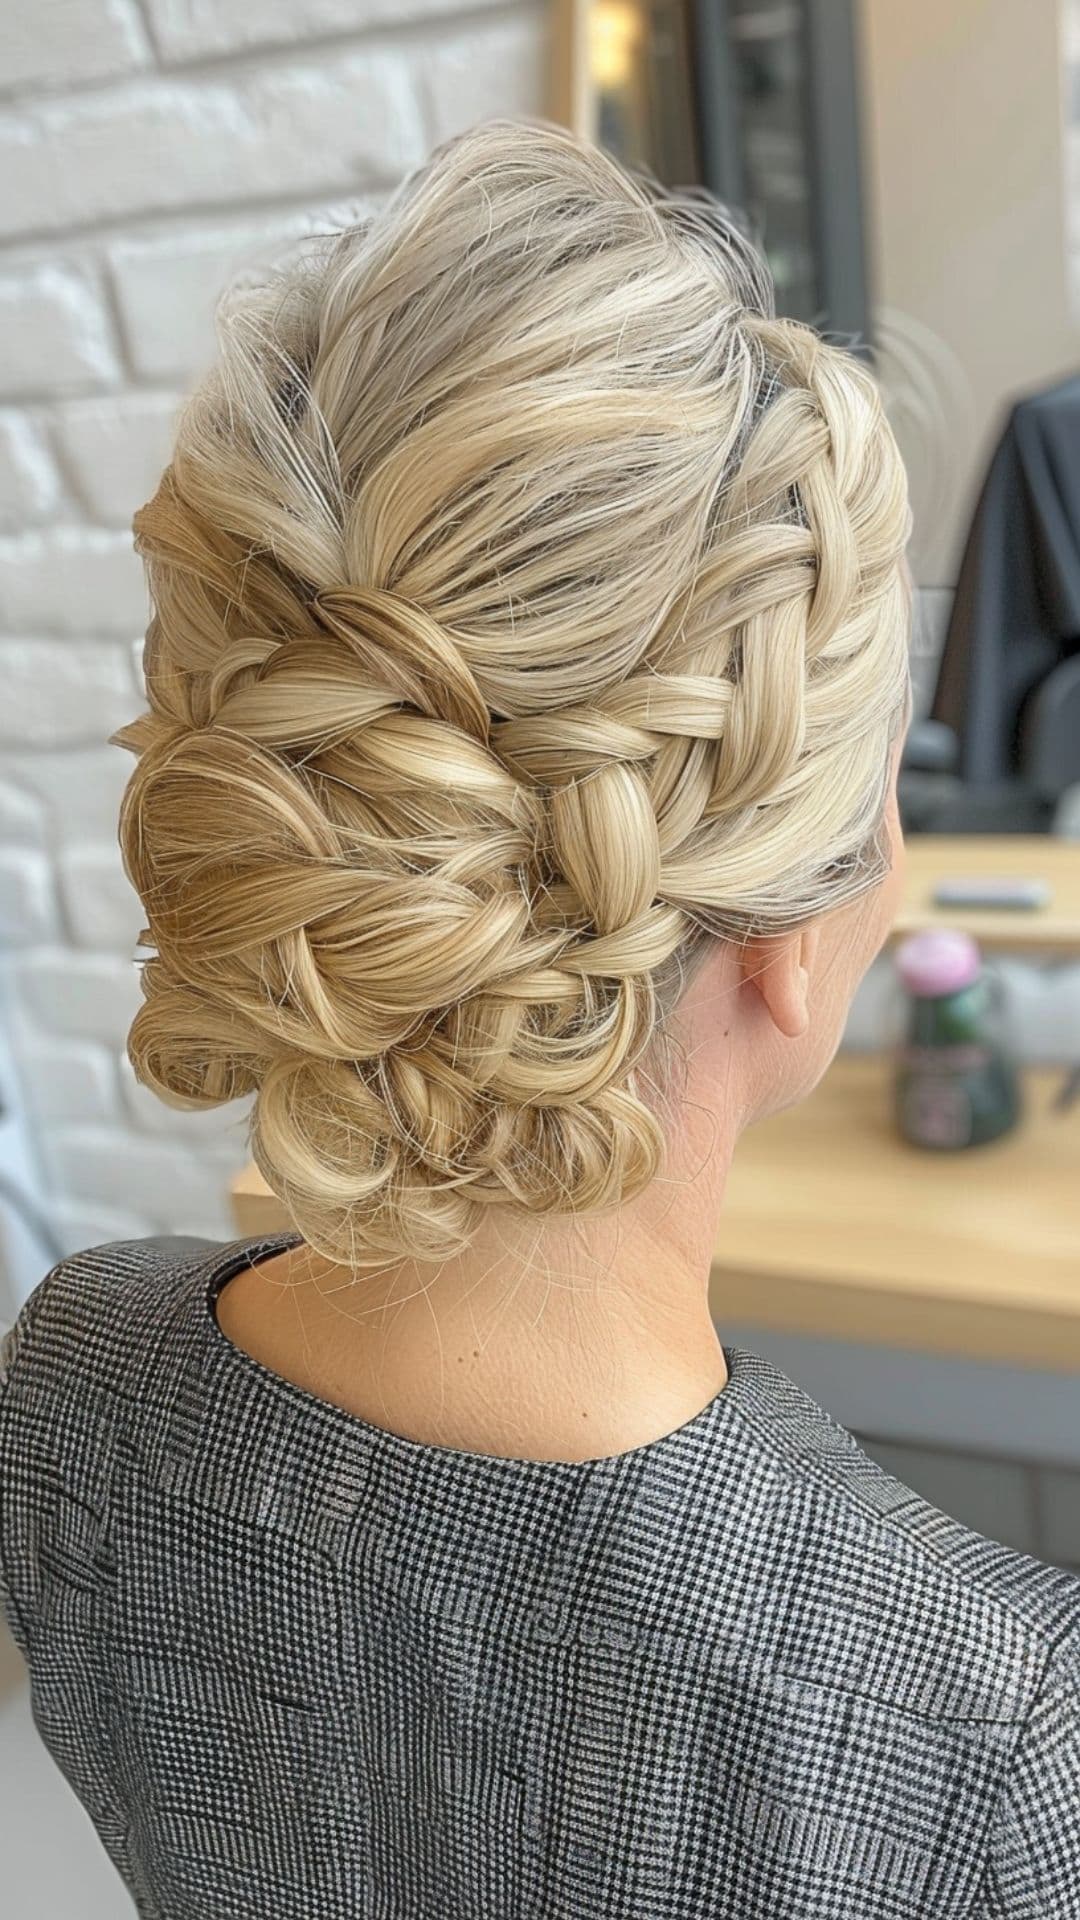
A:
[912,174]
[755,100]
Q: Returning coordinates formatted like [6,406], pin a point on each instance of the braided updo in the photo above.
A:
[528,610]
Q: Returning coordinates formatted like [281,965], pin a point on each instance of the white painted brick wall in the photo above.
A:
[187,29]
[107,1163]
[114,448]
[59,690]
[72,580]
[173,339]
[58,43]
[79,1223]
[88,996]
[29,483]
[22,818]
[28,913]
[56,333]
[67,1081]
[152,154]
[76,791]
[101,908]
[208,142]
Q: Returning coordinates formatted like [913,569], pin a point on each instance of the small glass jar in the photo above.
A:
[956,1083]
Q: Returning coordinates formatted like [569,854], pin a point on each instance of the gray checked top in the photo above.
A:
[299,1667]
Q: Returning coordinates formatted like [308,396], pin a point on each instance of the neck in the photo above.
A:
[564,1339]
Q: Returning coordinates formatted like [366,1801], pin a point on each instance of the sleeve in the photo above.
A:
[16,1336]
[1033,1870]
[8,1342]
[14,1352]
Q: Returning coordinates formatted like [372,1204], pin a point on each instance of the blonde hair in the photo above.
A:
[528,611]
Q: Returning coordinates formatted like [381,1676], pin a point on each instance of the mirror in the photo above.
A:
[912,172]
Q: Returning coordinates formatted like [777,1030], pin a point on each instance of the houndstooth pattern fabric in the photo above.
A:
[296,1666]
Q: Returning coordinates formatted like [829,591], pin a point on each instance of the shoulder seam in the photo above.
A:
[1044,1639]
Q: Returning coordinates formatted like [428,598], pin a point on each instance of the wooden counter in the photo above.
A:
[833,1225]
[1054,928]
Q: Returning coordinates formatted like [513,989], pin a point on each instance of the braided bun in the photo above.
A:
[528,611]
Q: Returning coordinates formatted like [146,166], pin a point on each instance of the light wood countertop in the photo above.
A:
[834,1225]
[1054,928]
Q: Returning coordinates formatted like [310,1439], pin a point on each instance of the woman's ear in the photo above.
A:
[778,968]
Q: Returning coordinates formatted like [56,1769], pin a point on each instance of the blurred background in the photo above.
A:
[912,170]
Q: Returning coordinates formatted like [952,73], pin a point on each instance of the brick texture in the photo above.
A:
[58,691]
[73,580]
[185,31]
[168,284]
[57,336]
[322,127]
[114,449]
[87,996]
[27,902]
[153,155]
[58,43]
[101,908]
[67,1082]
[29,484]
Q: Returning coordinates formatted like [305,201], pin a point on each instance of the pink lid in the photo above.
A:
[938,961]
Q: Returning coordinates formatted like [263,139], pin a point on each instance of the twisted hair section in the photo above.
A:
[528,611]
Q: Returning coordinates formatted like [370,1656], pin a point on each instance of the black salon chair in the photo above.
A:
[934,799]
[1000,744]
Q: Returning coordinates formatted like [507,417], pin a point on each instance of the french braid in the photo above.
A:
[528,612]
